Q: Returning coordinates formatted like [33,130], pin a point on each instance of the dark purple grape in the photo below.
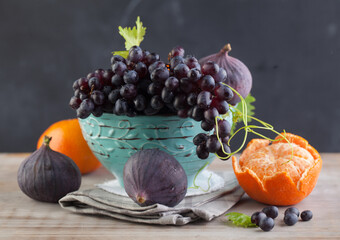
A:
[197,113]
[221,154]
[181,71]
[135,54]
[93,74]
[191,62]
[200,139]
[145,54]
[212,144]
[167,95]
[95,84]
[186,85]
[117,58]
[266,224]
[107,89]
[224,128]
[194,74]
[131,76]
[150,110]
[204,99]
[221,76]
[290,219]
[159,75]
[155,65]
[180,101]
[172,83]
[151,58]
[192,99]
[98,97]
[131,112]
[157,102]
[183,113]
[210,115]
[114,95]
[292,210]
[98,111]
[99,73]
[75,85]
[117,81]
[221,105]
[83,84]
[226,140]
[207,83]
[155,89]
[82,113]
[107,75]
[306,215]
[130,65]
[210,68]
[119,68]
[202,151]
[176,51]
[256,217]
[207,126]
[271,211]
[223,92]
[140,102]
[87,105]
[141,69]
[175,61]
[77,93]
[83,95]
[128,91]
[75,102]
[121,107]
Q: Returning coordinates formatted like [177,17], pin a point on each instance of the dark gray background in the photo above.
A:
[291,47]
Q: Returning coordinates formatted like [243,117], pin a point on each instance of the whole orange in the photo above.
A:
[68,139]
[278,173]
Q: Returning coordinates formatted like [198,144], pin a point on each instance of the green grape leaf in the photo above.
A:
[134,36]
[124,54]
[240,219]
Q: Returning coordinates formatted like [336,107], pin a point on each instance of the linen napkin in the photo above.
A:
[207,206]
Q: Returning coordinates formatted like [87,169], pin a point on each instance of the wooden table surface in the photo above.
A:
[22,217]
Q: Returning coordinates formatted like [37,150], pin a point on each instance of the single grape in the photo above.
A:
[183,113]
[149,111]
[135,54]
[257,216]
[224,128]
[77,93]
[156,102]
[266,224]
[99,73]
[151,58]
[140,102]
[197,113]
[222,154]
[202,152]
[221,76]
[107,89]
[200,139]
[207,83]
[158,64]
[180,101]
[290,219]
[194,74]
[172,83]
[221,105]
[292,210]
[114,95]
[131,76]
[223,92]
[176,51]
[210,68]
[207,126]
[95,84]
[192,62]
[75,85]
[87,105]
[117,81]
[271,211]
[181,71]
[98,97]
[204,99]
[93,74]
[98,111]
[119,68]
[186,85]
[107,75]
[167,95]
[83,84]
[141,69]
[210,115]
[159,75]
[121,107]
[306,215]
[83,95]
[75,102]
[145,54]
[155,89]
[192,99]
[175,61]
[82,113]
[117,58]
[212,144]
[128,91]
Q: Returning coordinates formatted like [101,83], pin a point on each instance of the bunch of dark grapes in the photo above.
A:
[142,84]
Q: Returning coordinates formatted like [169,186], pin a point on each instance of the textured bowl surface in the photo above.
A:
[113,139]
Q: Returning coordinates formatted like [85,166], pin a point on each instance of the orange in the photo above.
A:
[279,173]
[68,139]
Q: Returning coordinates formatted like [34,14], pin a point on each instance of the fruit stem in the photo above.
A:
[226,48]
[140,199]
[47,140]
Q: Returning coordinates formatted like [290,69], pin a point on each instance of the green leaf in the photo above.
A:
[124,54]
[240,219]
[134,36]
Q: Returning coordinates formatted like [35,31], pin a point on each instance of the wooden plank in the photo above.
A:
[21,217]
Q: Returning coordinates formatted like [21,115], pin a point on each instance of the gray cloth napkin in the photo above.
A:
[208,206]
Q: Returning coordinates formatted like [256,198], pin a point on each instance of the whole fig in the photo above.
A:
[47,175]
[152,176]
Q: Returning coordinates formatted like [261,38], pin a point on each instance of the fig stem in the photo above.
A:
[47,140]
[140,199]
[226,48]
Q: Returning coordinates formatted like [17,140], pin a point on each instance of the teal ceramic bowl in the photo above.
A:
[113,139]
